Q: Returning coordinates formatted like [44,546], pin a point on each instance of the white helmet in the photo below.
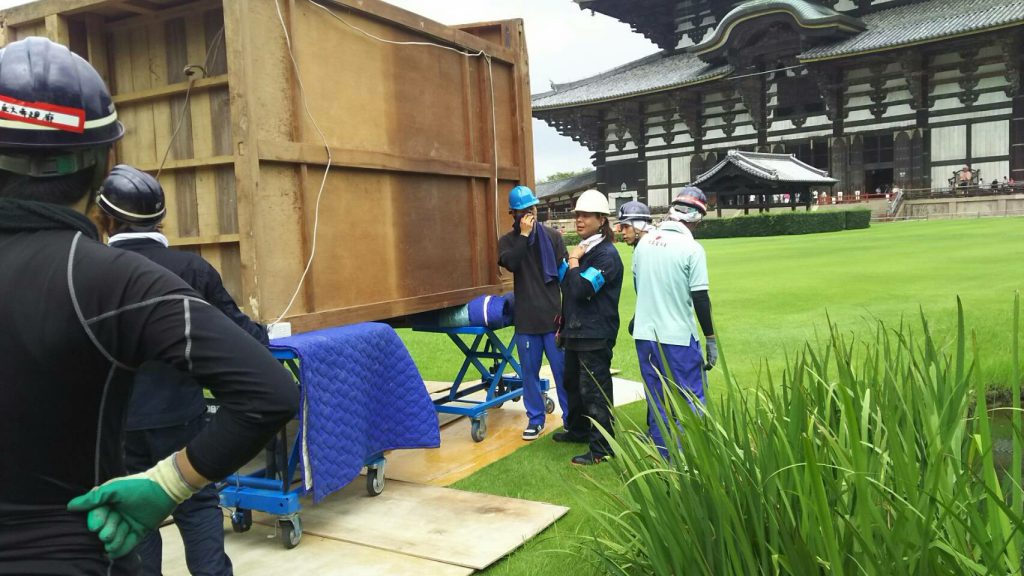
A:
[592,201]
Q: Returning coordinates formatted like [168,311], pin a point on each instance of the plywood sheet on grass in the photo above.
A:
[441,524]
[259,553]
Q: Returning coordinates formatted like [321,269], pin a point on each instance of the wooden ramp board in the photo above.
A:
[459,456]
[440,524]
[259,553]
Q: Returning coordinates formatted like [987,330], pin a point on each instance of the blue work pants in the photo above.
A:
[685,370]
[531,349]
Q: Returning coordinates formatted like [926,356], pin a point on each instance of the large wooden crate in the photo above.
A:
[410,213]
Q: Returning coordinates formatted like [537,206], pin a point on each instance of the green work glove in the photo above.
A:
[712,354]
[123,510]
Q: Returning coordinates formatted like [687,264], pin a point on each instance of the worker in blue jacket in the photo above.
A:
[167,408]
[533,253]
[592,281]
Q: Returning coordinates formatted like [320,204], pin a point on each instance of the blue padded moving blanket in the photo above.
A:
[361,395]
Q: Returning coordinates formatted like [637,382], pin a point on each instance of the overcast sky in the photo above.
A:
[565,44]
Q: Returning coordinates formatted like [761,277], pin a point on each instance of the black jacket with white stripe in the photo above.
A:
[76,317]
[164,396]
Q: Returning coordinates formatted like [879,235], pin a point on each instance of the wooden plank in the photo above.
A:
[258,553]
[120,58]
[204,240]
[161,92]
[187,163]
[388,309]
[165,14]
[240,87]
[96,44]
[297,153]
[351,516]
[57,29]
[421,26]
[17,16]
[142,131]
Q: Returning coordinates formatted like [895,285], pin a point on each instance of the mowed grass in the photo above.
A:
[770,295]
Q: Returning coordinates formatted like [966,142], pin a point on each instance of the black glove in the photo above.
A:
[630,327]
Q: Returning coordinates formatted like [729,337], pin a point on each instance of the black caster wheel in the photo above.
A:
[375,480]
[549,405]
[241,520]
[289,530]
[479,429]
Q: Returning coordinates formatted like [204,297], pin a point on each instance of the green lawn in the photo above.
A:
[769,296]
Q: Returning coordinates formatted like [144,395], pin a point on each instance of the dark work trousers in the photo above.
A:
[199,519]
[588,387]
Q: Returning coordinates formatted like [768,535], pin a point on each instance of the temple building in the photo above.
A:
[914,94]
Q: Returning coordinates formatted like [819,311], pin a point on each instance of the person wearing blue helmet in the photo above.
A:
[533,253]
[670,273]
[80,318]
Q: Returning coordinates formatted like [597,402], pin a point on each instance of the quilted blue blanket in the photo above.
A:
[361,395]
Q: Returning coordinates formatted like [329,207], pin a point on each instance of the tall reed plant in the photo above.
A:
[860,458]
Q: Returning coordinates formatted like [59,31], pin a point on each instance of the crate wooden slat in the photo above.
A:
[410,211]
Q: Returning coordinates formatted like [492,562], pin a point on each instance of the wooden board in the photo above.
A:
[424,143]
[440,524]
[259,553]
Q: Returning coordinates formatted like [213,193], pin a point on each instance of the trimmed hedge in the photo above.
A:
[572,238]
[784,223]
[771,224]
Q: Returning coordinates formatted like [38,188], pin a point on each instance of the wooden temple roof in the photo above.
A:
[768,168]
[886,29]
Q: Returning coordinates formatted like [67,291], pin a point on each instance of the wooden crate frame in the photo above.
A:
[411,211]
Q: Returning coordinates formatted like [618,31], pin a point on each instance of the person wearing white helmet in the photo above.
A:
[533,253]
[592,281]
[671,276]
[634,221]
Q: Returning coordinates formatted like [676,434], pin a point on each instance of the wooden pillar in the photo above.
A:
[602,171]
[1017,139]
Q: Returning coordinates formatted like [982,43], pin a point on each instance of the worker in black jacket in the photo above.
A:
[79,318]
[167,406]
[534,253]
[590,307]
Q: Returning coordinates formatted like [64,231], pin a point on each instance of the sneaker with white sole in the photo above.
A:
[533,431]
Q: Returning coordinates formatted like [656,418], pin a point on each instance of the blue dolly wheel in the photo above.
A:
[241,520]
[549,404]
[478,429]
[289,530]
[375,480]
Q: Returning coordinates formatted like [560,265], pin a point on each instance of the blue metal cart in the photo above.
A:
[500,387]
[271,489]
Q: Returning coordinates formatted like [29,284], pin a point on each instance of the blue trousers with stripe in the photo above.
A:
[685,371]
[532,348]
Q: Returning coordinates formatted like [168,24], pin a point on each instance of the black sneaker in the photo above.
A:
[533,431]
[589,458]
[570,438]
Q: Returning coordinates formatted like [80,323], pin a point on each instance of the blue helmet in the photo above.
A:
[521,198]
